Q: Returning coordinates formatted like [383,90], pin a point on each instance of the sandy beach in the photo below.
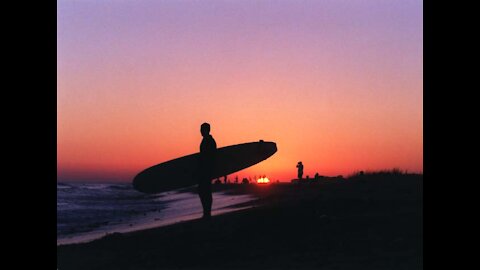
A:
[365,222]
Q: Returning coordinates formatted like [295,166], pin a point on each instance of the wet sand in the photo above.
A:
[175,207]
[370,222]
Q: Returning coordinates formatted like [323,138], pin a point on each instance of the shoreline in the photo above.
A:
[156,219]
[147,225]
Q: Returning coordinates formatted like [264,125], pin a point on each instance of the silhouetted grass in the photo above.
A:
[395,172]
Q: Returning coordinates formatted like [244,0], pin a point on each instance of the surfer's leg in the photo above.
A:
[204,191]
[201,194]
[208,199]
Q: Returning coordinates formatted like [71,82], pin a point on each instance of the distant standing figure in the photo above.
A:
[208,149]
[300,170]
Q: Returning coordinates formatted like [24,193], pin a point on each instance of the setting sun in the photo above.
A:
[263,180]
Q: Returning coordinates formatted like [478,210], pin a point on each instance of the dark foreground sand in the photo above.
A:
[370,222]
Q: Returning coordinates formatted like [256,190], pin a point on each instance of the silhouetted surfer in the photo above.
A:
[208,148]
[300,170]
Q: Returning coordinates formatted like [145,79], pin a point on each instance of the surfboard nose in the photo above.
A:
[268,148]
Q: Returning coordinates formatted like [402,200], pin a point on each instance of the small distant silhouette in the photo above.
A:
[225,179]
[208,148]
[236,179]
[300,170]
[317,176]
[245,181]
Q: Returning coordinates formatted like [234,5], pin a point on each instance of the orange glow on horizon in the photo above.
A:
[337,86]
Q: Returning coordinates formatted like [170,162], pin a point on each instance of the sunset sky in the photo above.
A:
[336,84]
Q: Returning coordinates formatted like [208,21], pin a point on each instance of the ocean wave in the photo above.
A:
[95,186]
[63,186]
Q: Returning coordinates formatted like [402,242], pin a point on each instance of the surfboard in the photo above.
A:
[181,172]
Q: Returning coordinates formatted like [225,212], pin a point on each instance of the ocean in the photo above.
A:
[89,211]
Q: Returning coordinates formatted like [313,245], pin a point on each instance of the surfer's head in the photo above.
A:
[205,129]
